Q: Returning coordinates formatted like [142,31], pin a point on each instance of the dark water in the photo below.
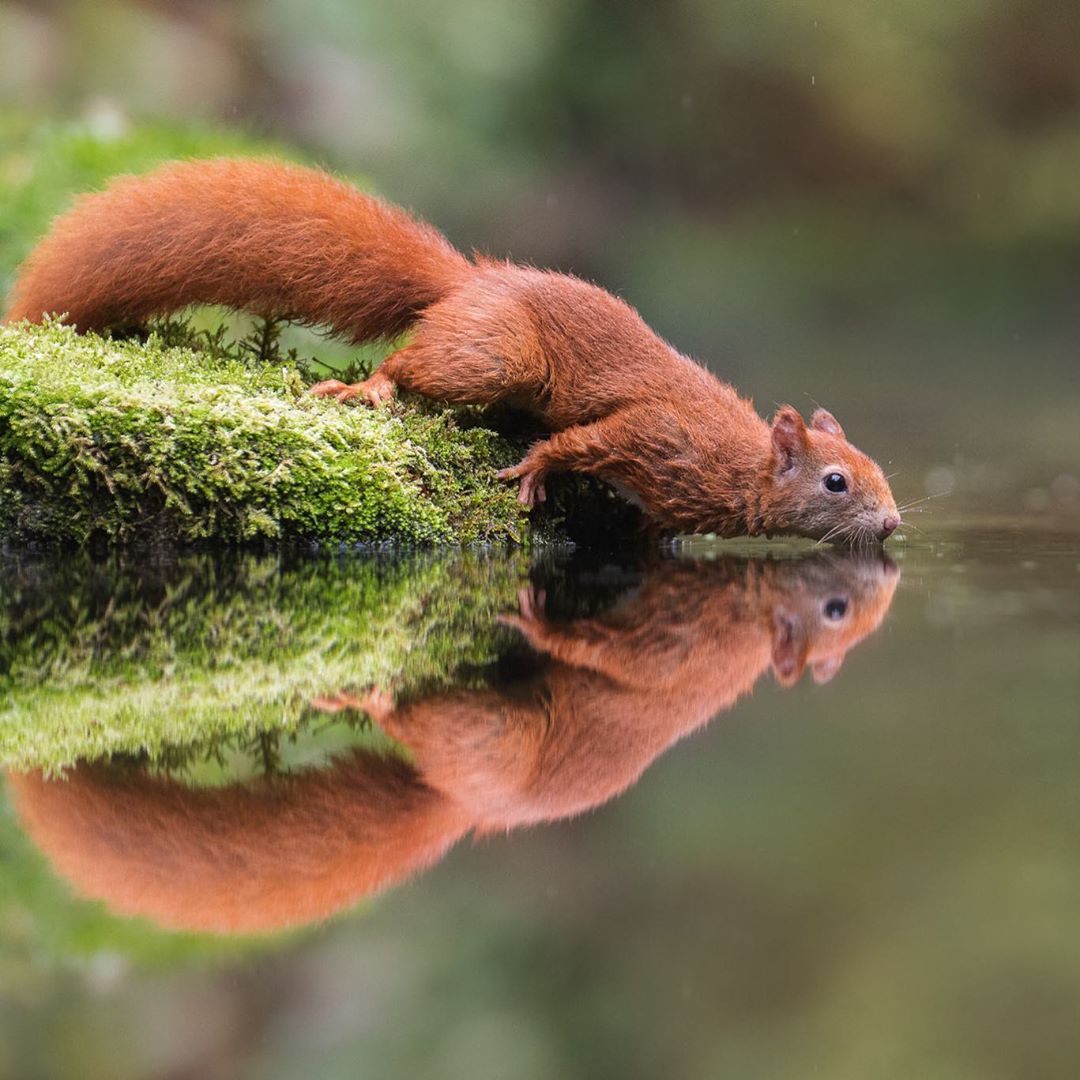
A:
[758,812]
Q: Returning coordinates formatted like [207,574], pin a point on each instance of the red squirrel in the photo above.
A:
[285,241]
[606,696]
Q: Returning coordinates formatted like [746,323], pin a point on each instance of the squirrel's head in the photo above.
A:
[820,486]
[823,607]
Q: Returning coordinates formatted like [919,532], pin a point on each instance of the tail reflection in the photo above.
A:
[592,705]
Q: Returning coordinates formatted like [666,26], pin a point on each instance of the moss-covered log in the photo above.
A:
[134,440]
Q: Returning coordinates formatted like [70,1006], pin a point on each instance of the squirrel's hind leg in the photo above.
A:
[378,388]
[374,390]
[460,376]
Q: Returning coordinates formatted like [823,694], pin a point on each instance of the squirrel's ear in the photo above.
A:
[788,437]
[823,420]
[788,649]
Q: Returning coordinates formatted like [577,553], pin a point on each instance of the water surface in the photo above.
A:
[749,811]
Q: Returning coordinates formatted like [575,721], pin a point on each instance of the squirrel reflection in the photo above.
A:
[598,700]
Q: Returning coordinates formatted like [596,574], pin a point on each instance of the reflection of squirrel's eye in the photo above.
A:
[835,483]
[835,609]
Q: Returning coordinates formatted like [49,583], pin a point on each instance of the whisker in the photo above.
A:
[830,534]
[925,498]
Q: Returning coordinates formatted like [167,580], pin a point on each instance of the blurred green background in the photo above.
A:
[873,205]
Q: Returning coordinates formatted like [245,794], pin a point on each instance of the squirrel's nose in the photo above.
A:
[888,524]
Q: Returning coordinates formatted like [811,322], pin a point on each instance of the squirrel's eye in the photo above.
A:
[835,483]
[835,609]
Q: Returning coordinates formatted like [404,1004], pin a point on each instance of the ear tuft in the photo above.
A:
[788,437]
[823,420]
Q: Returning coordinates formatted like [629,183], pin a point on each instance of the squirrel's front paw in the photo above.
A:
[532,488]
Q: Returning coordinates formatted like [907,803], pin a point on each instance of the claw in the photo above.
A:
[531,603]
[327,388]
[537,490]
[335,703]
[532,488]
[375,390]
[531,623]
[375,702]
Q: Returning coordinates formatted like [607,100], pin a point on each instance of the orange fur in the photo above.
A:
[279,240]
[253,857]
[608,696]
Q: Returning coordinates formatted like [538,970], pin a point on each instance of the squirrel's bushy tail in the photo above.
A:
[273,239]
[244,858]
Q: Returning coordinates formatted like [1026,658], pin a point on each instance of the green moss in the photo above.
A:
[149,659]
[124,440]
